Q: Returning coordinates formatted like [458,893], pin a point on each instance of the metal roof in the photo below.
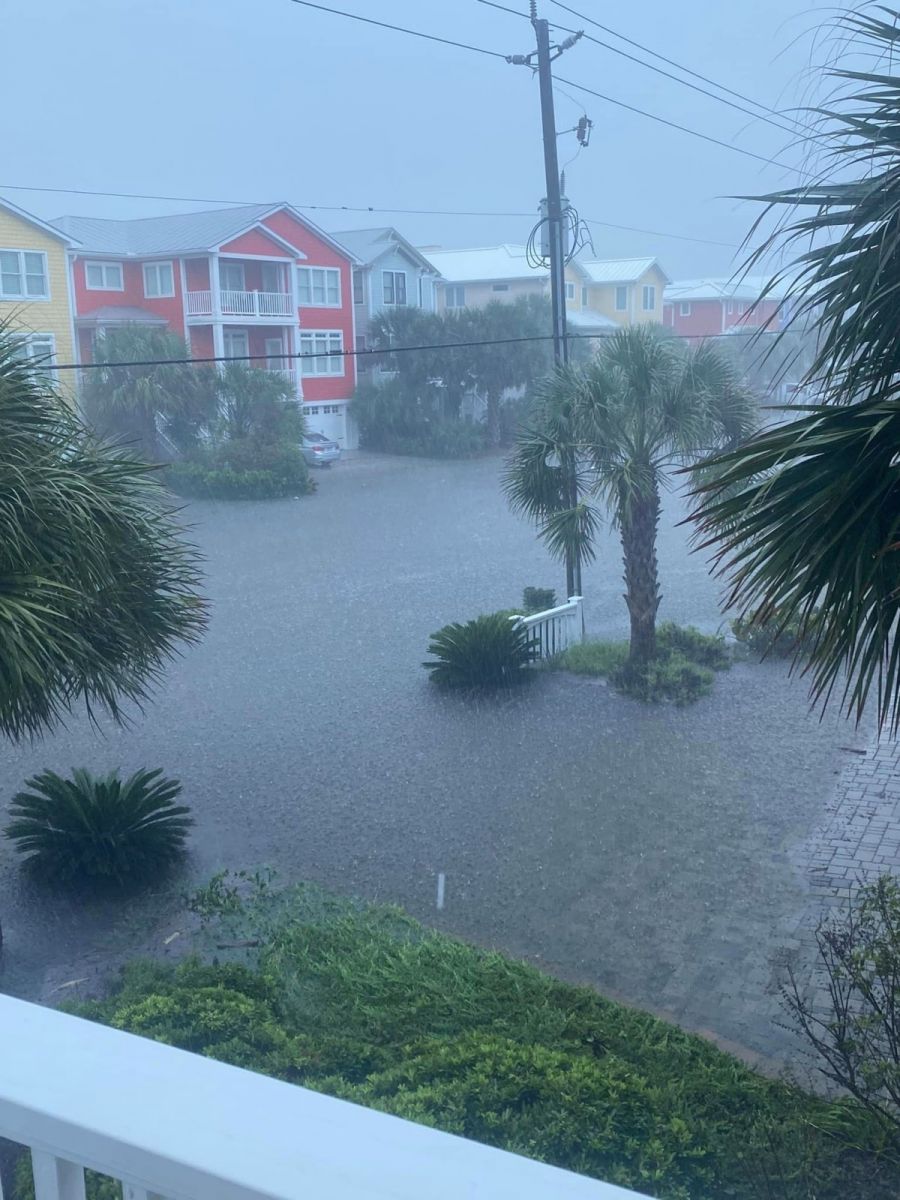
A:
[368,245]
[589,318]
[747,287]
[181,233]
[618,270]
[484,262]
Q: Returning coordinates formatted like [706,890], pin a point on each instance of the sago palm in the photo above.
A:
[805,520]
[97,589]
[644,406]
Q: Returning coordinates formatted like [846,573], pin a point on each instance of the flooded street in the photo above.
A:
[645,850]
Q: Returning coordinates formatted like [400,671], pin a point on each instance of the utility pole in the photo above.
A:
[556,238]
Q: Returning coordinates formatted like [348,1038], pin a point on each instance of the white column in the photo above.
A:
[56,1178]
[218,339]
[214,292]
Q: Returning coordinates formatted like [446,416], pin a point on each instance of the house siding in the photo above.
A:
[602,298]
[42,316]
[708,318]
[88,300]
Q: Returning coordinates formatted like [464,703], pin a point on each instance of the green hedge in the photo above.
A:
[365,1003]
[241,469]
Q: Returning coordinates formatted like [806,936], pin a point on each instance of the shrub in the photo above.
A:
[770,636]
[99,828]
[242,469]
[365,1003]
[490,652]
[672,677]
[537,599]
[700,648]
[595,658]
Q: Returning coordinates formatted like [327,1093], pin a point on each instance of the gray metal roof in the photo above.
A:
[181,233]
[368,245]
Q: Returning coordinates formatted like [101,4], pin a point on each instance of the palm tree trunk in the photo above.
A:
[641,577]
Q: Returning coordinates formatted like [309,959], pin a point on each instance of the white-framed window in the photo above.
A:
[236,343]
[326,345]
[570,291]
[584,297]
[729,308]
[499,287]
[359,293]
[648,301]
[454,296]
[159,280]
[684,308]
[231,276]
[39,348]
[331,410]
[621,299]
[24,275]
[311,410]
[393,287]
[319,287]
[104,277]
[274,348]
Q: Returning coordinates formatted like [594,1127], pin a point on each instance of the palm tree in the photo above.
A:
[644,406]
[805,519]
[136,402]
[97,590]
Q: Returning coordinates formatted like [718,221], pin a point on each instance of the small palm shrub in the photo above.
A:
[772,636]
[703,649]
[490,652]
[537,599]
[99,828]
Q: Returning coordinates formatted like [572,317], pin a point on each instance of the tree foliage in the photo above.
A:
[805,519]
[643,406]
[97,589]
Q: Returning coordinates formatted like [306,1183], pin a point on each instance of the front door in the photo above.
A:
[270,277]
[231,276]
[274,349]
[237,343]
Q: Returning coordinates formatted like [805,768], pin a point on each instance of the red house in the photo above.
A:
[708,307]
[255,280]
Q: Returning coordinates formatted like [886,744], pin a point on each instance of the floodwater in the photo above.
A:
[644,850]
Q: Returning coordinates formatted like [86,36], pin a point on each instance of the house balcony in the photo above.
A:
[242,306]
[170,1125]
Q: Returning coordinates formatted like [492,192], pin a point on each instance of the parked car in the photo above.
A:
[320,451]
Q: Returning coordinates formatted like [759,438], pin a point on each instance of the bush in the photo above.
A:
[242,469]
[682,671]
[363,1002]
[770,635]
[99,829]
[490,652]
[536,599]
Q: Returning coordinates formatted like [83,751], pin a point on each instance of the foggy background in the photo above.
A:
[232,100]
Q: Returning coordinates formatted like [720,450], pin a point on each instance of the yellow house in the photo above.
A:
[35,287]
[627,290]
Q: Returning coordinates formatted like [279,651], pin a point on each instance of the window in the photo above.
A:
[320,287]
[311,410]
[621,299]
[39,348]
[684,308]
[500,287]
[103,277]
[159,280]
[322,343]
[231,276]
[730,306]
[649,297]
[570,291]
[358,293]
[270,277]
[584,297]
[23,275]
[331,410]
[455,296]
[274,348]
[237,343]
[393,285]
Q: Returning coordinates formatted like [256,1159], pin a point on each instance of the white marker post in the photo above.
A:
[440,889]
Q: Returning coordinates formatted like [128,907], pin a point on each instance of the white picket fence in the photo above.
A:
[556,629]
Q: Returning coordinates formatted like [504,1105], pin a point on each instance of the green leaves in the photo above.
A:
[489,652]
[97,589]
[99,829]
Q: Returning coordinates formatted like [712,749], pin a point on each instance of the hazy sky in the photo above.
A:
[255,100]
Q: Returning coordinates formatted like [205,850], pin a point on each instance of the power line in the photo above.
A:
[430,37]
[649,66]
[383,352]
[671,61]
[675,125]
[424,212]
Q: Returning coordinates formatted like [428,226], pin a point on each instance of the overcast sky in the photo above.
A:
[256,100]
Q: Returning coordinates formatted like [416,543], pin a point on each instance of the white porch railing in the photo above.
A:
[240,304]
[175,1125]
[556,629]
[288,373]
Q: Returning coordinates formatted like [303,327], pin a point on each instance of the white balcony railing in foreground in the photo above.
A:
[175,1125]
[556,629]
